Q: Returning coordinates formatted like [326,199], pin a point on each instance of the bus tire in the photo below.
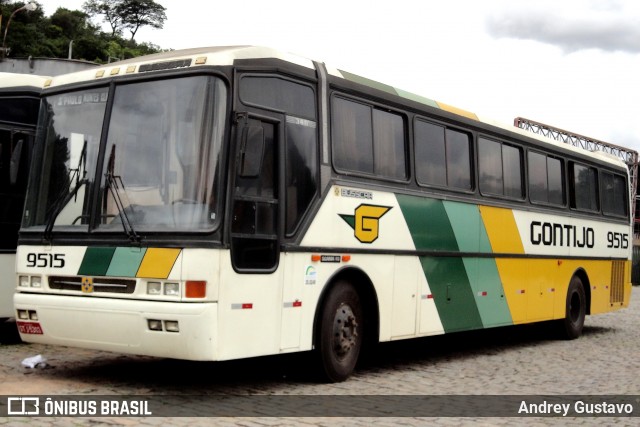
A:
[576,308]
[340,333]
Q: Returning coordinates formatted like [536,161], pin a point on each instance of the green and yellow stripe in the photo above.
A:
[128,262]
[475,264]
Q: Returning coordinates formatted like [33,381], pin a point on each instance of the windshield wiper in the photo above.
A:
[61,203]
[114,184]
[60,206]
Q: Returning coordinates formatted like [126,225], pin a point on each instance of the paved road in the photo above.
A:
[506,361]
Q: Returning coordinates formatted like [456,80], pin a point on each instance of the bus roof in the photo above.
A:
[227,55]
[18,80]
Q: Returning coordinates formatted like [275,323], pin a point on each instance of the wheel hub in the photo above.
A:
[345,331]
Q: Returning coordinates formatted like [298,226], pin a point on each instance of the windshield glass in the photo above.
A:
[160,158]
[64,168]
[162,155]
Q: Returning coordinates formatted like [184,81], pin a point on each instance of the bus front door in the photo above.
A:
[254,215]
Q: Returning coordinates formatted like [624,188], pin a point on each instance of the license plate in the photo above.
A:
[29,328]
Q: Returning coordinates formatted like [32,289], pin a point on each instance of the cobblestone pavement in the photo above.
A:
[521,360]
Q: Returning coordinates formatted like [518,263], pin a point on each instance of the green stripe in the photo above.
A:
[389,89]
[467,291]
[452,293]
[126,261]
[417,98]
[96,261]
[428,223]
[468,227]
[484,277]
[368,82]
[431,229]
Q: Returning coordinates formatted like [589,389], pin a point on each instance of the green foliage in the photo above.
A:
[33,34]
[140,13]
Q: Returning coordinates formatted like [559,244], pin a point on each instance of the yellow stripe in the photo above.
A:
[456,110]
[541,292]
[502,230]
[158,262]
[535,289]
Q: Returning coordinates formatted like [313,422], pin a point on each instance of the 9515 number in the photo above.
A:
[617,240]
[45,260]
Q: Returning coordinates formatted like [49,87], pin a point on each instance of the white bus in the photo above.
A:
[230,202]
[19,102]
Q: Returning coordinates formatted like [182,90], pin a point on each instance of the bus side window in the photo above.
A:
[584,186]
[368,140]
[301,169]
[614,195]
[298,102]
[443,156]
[546,183]
[500,169]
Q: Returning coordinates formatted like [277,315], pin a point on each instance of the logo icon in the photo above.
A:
[23,406]
[87,285]
[366,221]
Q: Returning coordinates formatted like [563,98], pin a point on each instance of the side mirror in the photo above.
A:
[252,151]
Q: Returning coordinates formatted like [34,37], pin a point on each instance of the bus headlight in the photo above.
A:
[23,281]
[171,326]
[154,288]
[172,289]
[36,282]
[154,325]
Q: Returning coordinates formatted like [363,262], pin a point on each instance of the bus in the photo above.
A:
[19,102]
[231,202]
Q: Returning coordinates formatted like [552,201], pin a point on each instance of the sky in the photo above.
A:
[572,64]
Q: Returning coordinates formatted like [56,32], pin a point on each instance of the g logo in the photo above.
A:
[366,222]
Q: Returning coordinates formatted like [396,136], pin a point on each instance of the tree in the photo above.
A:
[127,14]
[73,24]
[138,13]
[68,27]
[108,8]
[22,29]
[33,34]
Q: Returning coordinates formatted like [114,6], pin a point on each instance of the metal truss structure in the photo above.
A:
[630,157]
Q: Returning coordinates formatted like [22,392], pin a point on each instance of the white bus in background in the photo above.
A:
[19,105]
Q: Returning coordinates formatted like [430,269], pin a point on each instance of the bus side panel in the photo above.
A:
[457,227]
[471,235]
[488,291]
[452,293]
[481,266]
[535,289]
[502,230]
[249,312]
[608,289]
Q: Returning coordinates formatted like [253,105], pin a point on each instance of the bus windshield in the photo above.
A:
[156,169]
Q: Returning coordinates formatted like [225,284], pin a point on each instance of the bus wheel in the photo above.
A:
[576,307]
[341,332]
